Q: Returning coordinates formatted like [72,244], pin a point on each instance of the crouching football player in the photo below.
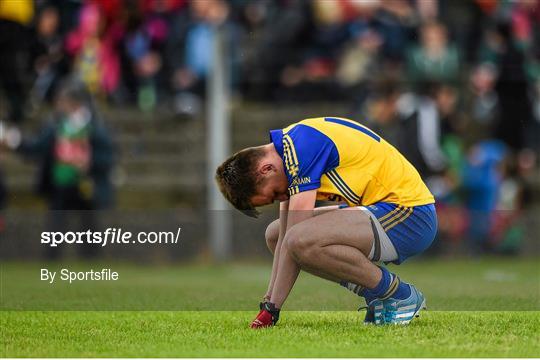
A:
[386,213]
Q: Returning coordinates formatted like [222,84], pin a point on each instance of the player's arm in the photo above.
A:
[283,210]
[300,208]
[307,155]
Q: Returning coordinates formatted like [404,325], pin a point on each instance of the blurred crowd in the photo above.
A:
[454,84]
[151,51]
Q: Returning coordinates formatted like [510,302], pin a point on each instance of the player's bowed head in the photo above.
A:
[253,177]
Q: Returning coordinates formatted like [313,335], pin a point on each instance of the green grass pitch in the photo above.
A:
[488,308]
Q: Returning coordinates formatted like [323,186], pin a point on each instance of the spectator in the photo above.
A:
[515,109]
[286,29]
[395,21]
[483,102]
[49,61]
[93,46]
[15,19]
[482,178]
[420,135]
[191,73]
[148,28]
[360,63]
[434,59]
[412,122]
[75,155]
[381,109]
[145,64]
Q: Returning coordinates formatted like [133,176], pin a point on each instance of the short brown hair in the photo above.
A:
[237,179]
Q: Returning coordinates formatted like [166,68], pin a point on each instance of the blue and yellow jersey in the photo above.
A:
[346,161]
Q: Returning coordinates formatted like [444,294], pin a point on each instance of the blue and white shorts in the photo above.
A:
[400,231]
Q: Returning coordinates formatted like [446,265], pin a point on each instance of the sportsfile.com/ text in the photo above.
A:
[109,236]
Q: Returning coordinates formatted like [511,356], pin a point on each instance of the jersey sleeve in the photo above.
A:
[307,155]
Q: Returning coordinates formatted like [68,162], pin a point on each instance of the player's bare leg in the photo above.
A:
[271,235]
[272,230]
[336,246]
[359,238]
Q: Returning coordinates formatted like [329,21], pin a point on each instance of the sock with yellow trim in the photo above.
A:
[390,286]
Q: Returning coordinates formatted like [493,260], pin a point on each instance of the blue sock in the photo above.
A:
[403,291]
[382,287]
[369,298]
[389,286]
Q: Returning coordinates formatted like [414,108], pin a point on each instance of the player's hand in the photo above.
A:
[265,300]
[268,316]
[261,308]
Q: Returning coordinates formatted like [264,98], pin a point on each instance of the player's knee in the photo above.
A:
[271,235]
[300,245]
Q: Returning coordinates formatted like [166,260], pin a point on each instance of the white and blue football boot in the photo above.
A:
[374,313]
[401,312]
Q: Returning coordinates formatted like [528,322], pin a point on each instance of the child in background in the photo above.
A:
[76,156]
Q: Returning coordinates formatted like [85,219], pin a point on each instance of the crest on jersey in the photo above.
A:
[293,170]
